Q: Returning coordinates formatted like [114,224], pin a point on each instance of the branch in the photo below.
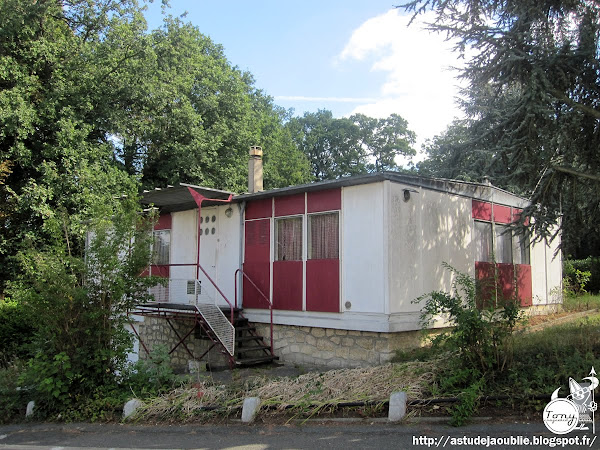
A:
[576,173]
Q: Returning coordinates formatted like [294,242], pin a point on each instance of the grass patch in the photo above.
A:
[581,303]
[541,361]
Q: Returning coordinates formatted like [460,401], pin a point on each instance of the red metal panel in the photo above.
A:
[287,285]
[506,281]
[289,205]
[259,209]
[164,222]
[260,274]
[482,210]
[517,215]
[485,276]
[328,200]
[323,285]
[524,290]
[257,238]
[502,214]
[161,271]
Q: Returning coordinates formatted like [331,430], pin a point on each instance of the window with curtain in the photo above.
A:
[288,239]
[503,244]
[323,236]
[161,247]
[483,241]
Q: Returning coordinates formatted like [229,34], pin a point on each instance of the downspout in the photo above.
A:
[242,209]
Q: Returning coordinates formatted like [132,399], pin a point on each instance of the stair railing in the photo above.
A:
[198,266]
[262,294]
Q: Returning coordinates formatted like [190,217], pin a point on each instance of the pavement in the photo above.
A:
[332,434]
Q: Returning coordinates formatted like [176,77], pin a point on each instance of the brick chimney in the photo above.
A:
[255,170]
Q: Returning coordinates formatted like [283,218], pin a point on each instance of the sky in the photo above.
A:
[347,56]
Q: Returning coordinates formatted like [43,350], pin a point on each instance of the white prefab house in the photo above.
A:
[325,273]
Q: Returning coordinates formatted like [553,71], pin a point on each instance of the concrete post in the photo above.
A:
[250,407]
[397,406]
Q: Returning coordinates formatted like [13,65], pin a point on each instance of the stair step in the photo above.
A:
[252,349]
[255,361]
[245,328]
[248,338]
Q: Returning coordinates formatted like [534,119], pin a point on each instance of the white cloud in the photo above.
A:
[419,85]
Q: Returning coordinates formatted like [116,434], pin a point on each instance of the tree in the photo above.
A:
[350,146]
[195,115]
[90,102]
[533,73]
[384,139]
[57,85]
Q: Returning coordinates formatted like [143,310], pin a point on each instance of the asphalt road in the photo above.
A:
[312,435]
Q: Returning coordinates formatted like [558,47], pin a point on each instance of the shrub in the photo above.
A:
[482,336]
[150,376]
[17,327]
[81,304]
[587,270]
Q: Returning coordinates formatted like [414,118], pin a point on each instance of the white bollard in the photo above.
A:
[249,409]
[397,406]
[29,410]
[130,407]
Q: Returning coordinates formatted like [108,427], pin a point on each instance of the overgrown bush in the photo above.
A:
[17,326]
[80,302]
[578,271]
[481,337]
[12,400]
[150,376]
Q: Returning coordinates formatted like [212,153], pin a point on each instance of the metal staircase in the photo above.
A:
[225,326]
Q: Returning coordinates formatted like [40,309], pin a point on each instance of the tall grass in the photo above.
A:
[581,303]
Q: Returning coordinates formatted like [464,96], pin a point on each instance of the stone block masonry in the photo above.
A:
[332,348]
[307,346]
[157,332]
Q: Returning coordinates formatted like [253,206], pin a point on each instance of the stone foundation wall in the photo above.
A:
[155,332]
[326,347]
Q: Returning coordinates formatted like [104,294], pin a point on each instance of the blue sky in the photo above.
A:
[346,56]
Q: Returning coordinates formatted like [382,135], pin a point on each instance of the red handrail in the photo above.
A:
[262,295]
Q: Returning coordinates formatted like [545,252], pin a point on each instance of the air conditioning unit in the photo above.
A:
[193,291]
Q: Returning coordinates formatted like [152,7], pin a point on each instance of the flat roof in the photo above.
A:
[178,198]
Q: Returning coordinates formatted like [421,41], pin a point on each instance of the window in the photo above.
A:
[483,241]
[323,236]
[161,247]
[521,249]
[503,251]
[508,247]
[288,239]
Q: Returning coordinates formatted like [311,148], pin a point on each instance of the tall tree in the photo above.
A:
[56,85]
[384,139]
[533,70]
[350,146]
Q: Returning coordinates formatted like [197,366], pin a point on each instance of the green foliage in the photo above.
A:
[12,400]
[578,271]
[531,107]
[482,336]
[152,376]
[90,99]
[80,305]
[350,146]
[17,326]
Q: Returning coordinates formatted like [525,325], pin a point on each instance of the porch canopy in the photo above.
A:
[179,198]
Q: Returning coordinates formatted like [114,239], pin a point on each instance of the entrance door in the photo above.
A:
[209,232]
